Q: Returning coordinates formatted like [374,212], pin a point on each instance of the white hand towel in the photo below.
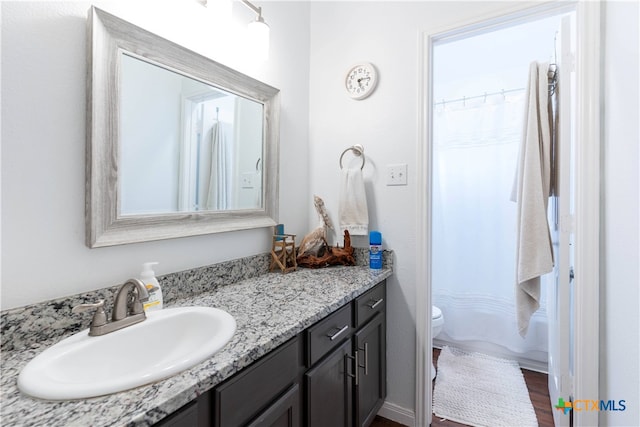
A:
[352,211]
[532,189]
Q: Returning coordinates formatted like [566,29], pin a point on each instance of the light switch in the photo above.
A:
[247,180]
[397,174]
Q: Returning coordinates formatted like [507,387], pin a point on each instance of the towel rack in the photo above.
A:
[358,150]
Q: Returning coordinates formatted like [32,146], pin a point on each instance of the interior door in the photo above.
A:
[559,299]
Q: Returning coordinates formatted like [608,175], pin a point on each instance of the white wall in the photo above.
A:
[248,136]
[620,298]
[43,140]
[386,34]
[150,149]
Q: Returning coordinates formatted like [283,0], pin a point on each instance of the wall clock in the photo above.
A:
[361,80]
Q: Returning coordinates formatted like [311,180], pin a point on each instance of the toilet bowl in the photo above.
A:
[437,323]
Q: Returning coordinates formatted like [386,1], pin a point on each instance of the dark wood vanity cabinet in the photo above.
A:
[348,385]
[371,390]
[331,374]
[284,412]
[329,390]
[370,343]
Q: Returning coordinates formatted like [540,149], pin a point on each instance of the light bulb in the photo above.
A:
[258,37]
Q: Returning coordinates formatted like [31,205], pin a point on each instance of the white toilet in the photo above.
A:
[437,322]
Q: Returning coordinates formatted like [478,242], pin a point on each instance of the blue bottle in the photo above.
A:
[375,250]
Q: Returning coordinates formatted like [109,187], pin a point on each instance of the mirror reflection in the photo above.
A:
[178,145]
[186,146]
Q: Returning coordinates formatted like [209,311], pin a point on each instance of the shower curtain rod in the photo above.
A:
[485,95]
[552,75]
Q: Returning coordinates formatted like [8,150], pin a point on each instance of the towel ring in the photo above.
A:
[358,150]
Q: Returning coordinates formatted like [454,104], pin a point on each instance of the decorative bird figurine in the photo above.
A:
[314,242]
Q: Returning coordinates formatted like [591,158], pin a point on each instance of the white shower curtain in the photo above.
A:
[474,226]
[218,195]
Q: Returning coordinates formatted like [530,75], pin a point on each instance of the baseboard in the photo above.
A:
[398,414]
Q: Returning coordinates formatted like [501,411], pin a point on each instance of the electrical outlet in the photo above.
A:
[247,180]
[397,174]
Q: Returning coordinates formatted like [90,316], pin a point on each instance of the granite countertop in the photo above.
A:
[269,310]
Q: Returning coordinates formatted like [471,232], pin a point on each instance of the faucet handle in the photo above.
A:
[81,308]
[99,317]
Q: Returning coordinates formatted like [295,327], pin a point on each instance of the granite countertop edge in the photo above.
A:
[281,306]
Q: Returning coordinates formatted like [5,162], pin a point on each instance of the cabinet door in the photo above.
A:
[329,390]
[187,416]
[197,413]
[284,412]
[371,390]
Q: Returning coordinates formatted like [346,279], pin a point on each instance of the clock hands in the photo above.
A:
[361,79]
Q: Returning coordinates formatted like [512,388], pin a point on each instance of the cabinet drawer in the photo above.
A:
[370,303]
[328,333]
[239,399]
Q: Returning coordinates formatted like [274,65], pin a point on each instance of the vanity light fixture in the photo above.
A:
[258,32]
[221,9]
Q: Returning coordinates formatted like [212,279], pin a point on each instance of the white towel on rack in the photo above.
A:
[532,190]
[352,211]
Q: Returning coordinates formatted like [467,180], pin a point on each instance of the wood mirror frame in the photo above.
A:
[108,37]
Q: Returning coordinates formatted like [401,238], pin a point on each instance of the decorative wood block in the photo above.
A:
[330,255]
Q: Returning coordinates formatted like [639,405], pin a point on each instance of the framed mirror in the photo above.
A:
[177,144]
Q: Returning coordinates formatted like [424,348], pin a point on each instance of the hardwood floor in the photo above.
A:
[383,422]
[538,392]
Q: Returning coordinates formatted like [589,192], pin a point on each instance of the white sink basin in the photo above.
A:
[167,342]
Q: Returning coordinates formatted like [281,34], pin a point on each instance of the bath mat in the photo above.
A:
[480,390]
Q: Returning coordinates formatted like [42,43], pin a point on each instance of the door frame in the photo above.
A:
[587,199]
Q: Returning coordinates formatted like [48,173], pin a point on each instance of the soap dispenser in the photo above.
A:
[148,277]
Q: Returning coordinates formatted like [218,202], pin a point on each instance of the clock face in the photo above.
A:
[361,80]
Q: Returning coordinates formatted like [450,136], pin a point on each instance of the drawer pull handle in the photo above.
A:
[366,358]
[334,336]
[373,304]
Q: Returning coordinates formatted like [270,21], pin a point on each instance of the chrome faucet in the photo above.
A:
[127,309]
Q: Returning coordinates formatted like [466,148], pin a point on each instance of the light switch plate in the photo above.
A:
[397,174]
[247,180]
